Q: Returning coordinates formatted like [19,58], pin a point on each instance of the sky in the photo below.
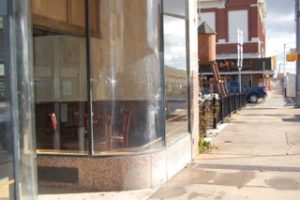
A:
[280,29]
[174,35]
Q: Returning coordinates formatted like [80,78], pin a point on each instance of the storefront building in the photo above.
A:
[109,88]
[256,72]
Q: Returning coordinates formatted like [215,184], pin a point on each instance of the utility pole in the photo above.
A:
[240,43]
[264,69]
[284,58]
[297,12]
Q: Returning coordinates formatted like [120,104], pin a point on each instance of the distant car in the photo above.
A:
[253,93]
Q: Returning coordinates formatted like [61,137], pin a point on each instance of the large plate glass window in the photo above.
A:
[60,76]
[126,76]
[176,79]
[6,137]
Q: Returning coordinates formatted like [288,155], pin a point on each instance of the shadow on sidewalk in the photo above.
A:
[296,118]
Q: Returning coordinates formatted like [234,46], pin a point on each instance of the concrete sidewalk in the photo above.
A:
[124,195]
[256,156]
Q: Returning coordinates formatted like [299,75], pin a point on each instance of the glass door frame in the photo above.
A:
[19,92]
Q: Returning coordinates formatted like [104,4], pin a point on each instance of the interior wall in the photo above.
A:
[60,68]
[65,16]
[130,70]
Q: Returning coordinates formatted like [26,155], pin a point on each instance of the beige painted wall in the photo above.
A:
[128,54]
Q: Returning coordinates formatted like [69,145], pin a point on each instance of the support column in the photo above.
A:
[297,11]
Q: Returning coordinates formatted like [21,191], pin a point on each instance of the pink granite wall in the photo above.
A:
[122,173]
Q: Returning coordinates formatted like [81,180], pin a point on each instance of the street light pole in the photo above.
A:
[284,58]
[240,42]
[242,59]
[297,11]
[264,70]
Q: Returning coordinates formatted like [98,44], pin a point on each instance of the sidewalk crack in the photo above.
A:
[287,143]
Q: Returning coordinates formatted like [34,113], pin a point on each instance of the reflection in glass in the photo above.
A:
[175,7]
[60,75]
[6,140]
[127,95]
[175,77]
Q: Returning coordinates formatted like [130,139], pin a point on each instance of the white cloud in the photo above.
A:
[280,27]
[275,45]
[174,42]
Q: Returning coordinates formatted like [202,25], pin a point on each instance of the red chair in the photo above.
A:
[112,136]
[53,121]
[122,138]
[126,128]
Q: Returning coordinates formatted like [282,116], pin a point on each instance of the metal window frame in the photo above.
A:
[18,50]
[187,46]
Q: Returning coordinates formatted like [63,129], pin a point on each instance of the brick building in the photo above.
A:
[225,17]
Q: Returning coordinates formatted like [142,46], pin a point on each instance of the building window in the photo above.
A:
[124,112]
[126,77]
[176,79]
[60,75]
[6,138]
[112,100]
[237,19]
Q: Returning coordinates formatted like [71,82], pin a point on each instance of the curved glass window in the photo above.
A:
[126,76]
[175,7]
[176,79]
[6,138]
[60,75]
[116,56]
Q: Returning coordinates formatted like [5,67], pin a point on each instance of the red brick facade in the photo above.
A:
[231,48]
[256,29]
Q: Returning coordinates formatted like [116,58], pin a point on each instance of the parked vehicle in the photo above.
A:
[253,93]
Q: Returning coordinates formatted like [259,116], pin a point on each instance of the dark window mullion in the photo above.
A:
[162,73]
[89,85]
[189,81]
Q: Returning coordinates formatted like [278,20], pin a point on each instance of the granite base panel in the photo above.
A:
[119,173]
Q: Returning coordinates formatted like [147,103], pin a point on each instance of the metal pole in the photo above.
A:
[238,48]
[242,59]
[214,102]
[241,43]
[297,11]
[264,68]
[284,59]
[90,129]
[240,80]
[240,56]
